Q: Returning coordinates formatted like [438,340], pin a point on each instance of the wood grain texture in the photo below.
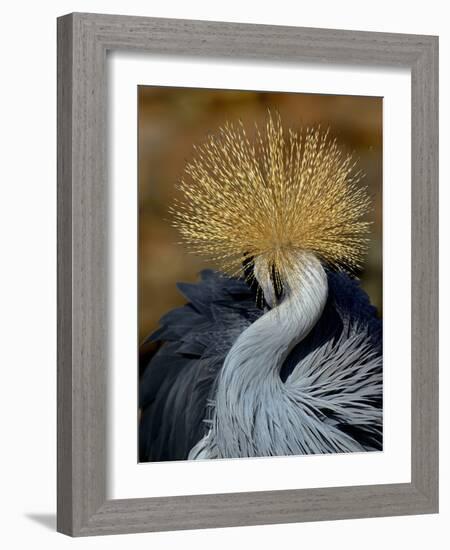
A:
[424,280]
[83,198]
[64,336]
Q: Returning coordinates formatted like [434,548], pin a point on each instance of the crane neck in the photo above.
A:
[267,342]
[263,347]
[250,391]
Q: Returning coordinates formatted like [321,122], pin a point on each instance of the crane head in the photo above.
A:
[274,198]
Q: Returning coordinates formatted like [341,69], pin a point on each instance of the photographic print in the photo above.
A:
[260,274]
[243,244]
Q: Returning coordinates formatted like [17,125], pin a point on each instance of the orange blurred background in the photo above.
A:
[172,120]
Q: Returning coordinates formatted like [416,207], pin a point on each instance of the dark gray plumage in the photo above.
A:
[177,388]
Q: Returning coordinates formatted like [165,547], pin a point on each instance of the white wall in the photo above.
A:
[27,289]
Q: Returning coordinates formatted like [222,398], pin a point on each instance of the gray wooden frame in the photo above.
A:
[83,40]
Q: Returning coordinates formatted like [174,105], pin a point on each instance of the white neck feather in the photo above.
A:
[250,378]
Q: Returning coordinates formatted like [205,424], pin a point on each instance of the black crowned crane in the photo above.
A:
[280,352]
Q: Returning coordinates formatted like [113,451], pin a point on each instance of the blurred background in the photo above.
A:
[172,120]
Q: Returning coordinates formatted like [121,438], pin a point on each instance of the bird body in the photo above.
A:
[179,387]
[303,373]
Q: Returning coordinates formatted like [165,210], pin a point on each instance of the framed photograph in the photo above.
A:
[247,274]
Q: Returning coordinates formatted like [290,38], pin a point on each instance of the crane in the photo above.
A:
[279,352]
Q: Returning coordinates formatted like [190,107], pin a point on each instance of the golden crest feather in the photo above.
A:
[281,193]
